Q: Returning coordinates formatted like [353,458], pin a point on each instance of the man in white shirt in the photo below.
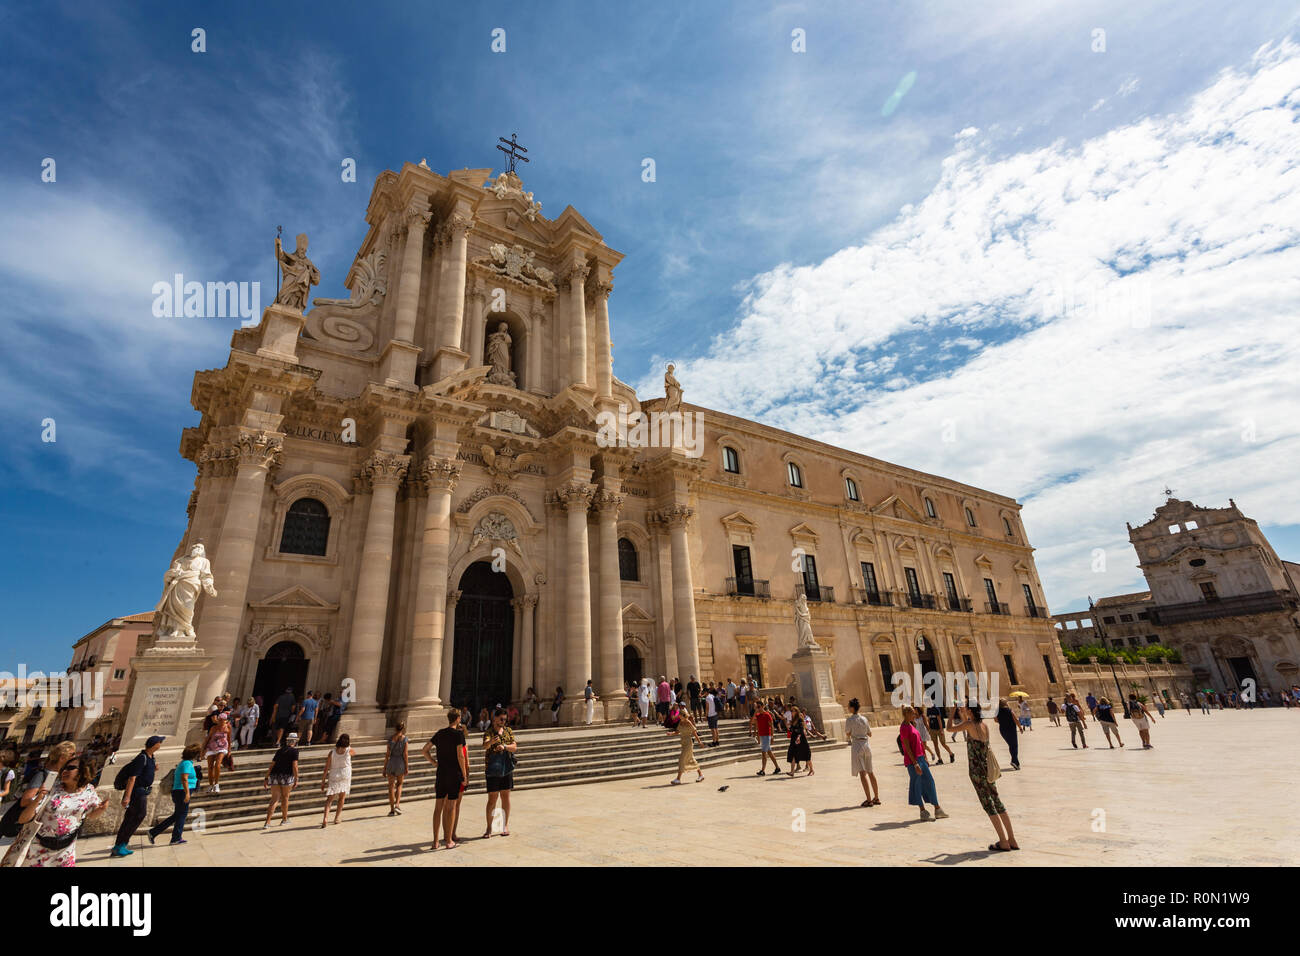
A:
[711,713]
[731,697]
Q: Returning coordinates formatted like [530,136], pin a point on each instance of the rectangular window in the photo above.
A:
[950,588]
[810,588]
[913,586]
[887,673]
[1208,591]
[1152,639]
[1109,620]
[1011,669]
[869,580]
[1134,642]
[992,593]
[730,460]
[1144,615]
[744,569]
[119,673]
[1029,598]
[967,663]
[796,476]
[1047,664]
[754,668]
[1126,618]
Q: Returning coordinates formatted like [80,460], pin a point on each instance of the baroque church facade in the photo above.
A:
[408,494]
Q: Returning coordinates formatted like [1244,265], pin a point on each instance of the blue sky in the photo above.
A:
[968,265]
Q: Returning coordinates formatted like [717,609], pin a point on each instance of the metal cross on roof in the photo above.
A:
[511,152]
[1169,492]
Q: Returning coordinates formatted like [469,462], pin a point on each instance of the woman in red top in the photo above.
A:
[920,785]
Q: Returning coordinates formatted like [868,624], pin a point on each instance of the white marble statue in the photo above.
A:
[672,389]
[498,354]
[299,274]
[174,620]
[803,623]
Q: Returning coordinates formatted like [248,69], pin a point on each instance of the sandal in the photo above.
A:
[996,848]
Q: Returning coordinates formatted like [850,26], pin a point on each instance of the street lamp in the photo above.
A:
[1096,622]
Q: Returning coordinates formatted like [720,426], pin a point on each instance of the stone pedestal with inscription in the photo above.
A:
[163,683]
[814,679]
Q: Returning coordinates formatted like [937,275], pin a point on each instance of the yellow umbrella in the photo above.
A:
[1017,693]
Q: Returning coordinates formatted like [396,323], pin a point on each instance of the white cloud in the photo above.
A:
[1092,389]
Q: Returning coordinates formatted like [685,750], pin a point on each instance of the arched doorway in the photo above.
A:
[283,666]
[632,667]
[484,639]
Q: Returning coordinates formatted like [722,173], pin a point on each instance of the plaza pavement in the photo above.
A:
[1216,791]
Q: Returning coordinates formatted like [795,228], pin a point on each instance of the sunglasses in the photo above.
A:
[67,769]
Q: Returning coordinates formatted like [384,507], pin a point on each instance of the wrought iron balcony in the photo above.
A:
[749,587]
[821,594]
[1033,610]
[919,600]
[957,604]
[998,608]
[1261,602]
[875,598]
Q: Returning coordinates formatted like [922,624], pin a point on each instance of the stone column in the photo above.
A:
[534,378]
[477,319]
[448,649]
[254,455]
[424,672]
[688,649]
[385,472]
[451,312]
[609,681]
[604,356]
[576,282]
[399,357]
[527,652]
[577,645]
[516,648]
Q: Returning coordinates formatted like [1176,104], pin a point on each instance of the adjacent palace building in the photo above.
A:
[407,491]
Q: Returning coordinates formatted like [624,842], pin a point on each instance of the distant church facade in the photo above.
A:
[409,491]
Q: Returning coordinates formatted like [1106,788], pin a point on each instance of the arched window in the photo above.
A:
[795,474]
[929,509]
[970,517]
[306,528]
[730,460]
[851,489]
[628,568]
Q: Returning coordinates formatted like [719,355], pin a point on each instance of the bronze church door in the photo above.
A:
[483,640]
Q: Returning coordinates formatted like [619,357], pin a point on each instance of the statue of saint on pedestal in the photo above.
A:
[672,389]
[803,623]
[298,272]
[174,619]
[498,354]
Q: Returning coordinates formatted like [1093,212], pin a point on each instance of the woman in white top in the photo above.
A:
[859,731]
[336,781]
[643,701]
[252,714]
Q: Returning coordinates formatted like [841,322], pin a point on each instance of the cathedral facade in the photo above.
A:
[416,495]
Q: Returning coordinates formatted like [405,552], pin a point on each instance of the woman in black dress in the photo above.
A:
[798,751]
[1009,728]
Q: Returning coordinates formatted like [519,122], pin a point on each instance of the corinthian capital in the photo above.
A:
[258,448]
[383,468]
[458,226]
[417,215]
[675,517]
[600,290]
[575,275]
[439,474]
[608,504]
[575,497]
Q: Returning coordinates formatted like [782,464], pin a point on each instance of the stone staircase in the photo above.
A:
[548,757]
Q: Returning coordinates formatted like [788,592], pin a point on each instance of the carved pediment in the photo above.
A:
[802,531]
[983,560]
[634,613]
[295,598]
[896,507]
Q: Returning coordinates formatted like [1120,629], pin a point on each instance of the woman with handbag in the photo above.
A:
[984,772]
[59,815]
[396,766]
[499,768]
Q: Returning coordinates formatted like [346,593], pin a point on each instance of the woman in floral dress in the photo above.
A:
[72,802]
[970,720]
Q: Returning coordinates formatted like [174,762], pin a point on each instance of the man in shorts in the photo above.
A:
[664,697]
[282,716]
[760,726]
[711,705]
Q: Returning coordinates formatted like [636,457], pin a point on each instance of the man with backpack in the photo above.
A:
[1074,717]
[136,782]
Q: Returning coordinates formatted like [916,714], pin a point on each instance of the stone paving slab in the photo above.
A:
[1216,791]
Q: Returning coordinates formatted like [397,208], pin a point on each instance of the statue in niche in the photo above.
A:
[498,354]
[298,272]
[803,623]
[672,389]
[174,620]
